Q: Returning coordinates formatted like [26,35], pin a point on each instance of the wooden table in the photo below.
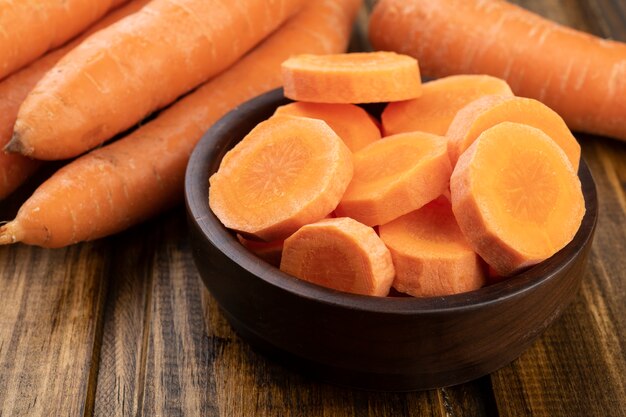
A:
[123,326]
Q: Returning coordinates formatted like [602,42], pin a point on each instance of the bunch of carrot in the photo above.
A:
[138,59]
[466,178]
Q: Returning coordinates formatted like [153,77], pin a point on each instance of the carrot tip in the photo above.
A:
[7,237]
[16,145]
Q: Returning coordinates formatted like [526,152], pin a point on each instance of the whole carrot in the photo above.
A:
[16,168]
[580,76]
[29,28]
[138,65]
[140,175]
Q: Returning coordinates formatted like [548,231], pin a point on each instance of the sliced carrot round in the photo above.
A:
[353,124]
[270,252]
[441,99]
[342,254]
[285,173]
[488,111]
[364,77]
[516,197]
[394,176]
[430,253]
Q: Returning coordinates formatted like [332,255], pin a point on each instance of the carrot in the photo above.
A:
[287,172]
[580,76]
[140,64]
[488,111]
[353,124]
[270,252]
[28,29]
[15,168]
[441,99]
[142,174]
[395,176]
[365,77]
[430,253]
[516,197]
[341,254]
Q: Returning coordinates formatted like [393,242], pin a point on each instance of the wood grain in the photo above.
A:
[120,378]
[50,315]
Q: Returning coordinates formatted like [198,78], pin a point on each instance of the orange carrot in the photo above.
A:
[395,176]
[270,252]
[366,77]
[287,172]
[516,197]
[441,99]
[140,64]
[353,124]
[29,28]
[136,177]
[15,168]
[430,253]
[580,76]
[488,111]
[341,254]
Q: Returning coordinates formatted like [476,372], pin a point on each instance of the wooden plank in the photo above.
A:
[608,16]
[122,355]
[50,318]
[179,377]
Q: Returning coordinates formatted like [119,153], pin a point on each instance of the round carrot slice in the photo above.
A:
[441,99]
[285,173]
[270,252]
[364,77]
[516,197]
[394,176]
[342,254]
[353,125]
[430,253]
[488,111]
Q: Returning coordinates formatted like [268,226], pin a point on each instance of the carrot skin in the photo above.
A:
[142,174]
[107,84]
[580,76]
[14,168]
[29,28]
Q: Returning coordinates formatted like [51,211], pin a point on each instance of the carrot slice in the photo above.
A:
[516,197]
[365,77]
[353,124]
[430,253]
[287,172]
[488,111]
[441,99]
[342,254]
[395,176]
[270,252]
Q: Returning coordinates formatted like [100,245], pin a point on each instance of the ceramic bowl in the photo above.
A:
[391,343]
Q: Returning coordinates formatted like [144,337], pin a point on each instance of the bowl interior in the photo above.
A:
[235,125]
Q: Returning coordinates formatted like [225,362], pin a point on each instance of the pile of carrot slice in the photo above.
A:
[465,180]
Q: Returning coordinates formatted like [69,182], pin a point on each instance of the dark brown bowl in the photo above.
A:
[393,343]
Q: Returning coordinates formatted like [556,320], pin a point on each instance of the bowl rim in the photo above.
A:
[213,143]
